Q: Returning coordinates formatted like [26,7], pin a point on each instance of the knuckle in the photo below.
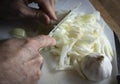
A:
[43,36]
[40,59]
[21,12]
[38,74]
[9,41]
[31,41]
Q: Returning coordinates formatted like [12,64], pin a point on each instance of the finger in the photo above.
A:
[48,9]
[34,72]
[25,11]
[41,16]
[32,46]
[28,12]
[52,4]
[45,41]
[40,41]
[37,75]
[36,61]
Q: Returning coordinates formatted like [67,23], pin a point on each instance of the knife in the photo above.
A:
[65,17]
[117,43]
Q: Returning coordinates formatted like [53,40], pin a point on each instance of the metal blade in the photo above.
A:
[71,12]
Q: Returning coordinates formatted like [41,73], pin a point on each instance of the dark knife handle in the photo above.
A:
[118,78]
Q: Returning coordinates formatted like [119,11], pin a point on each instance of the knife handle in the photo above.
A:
[118,79]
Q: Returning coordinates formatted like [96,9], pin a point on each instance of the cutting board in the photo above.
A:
[49,76]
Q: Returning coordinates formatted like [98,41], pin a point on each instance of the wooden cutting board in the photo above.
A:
[110,11]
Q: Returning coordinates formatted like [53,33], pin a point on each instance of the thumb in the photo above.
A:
[41,41]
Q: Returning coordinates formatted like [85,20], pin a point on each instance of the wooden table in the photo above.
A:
[110,11]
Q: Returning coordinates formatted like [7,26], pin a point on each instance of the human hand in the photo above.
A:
[20,60]
[15,9]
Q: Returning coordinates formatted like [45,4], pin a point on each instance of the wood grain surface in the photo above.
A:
[110,11]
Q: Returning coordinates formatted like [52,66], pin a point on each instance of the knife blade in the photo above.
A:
[117,43]
[65,17]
